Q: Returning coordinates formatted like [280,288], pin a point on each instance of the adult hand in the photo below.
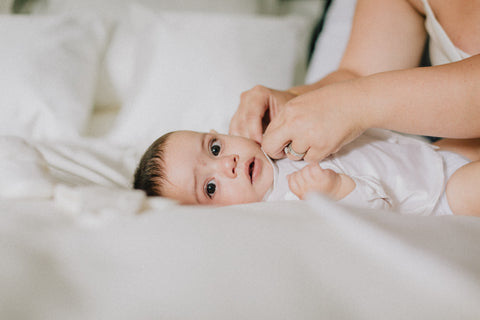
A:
[254,103]
[317,123]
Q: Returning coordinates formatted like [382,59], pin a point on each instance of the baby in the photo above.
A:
[380,169]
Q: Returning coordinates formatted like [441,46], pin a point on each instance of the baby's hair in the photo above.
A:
[150,173]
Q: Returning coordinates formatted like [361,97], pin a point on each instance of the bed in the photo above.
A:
[87,85]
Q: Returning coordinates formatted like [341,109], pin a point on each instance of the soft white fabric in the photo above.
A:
[87,162]
[441,48]
[390,170]
[95,205]
[115,7]
[369,193]
[24,173]
[191,68]
[34,169]
[48,69]
[273,260]
[332,41]
[118,65]
[451,163]
[118,68]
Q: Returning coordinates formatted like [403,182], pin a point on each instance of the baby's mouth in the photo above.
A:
[253,169]
[250,171]
[249,168]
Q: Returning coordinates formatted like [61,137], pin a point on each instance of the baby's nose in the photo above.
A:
[228,165]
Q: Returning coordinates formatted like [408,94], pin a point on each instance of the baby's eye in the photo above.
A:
[215,147]
[210,188]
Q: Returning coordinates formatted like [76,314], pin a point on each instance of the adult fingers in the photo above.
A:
[323,149]
[314,155]
[283,138]
[249,128]
[277,136]
[292,151]
[247,120]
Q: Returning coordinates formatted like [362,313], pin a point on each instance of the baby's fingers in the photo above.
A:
[295,183]
[313,172]
[303,181]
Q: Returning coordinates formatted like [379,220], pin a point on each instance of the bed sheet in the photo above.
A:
[294,260]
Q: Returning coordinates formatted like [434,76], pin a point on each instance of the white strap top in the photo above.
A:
[442,49]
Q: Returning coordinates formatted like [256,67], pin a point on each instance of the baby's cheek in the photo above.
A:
[238,198]
[253,194]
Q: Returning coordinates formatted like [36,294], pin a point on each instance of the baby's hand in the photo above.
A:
[314,178]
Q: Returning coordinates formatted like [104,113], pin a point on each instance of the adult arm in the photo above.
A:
[442,100]
[386,35]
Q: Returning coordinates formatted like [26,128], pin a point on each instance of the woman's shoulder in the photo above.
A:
[418,5]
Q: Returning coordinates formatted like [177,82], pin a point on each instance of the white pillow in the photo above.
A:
[117,67]
[48,70]
[191,69]
[114,7]
[332,41]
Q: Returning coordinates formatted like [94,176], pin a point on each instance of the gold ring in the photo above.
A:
[289,149]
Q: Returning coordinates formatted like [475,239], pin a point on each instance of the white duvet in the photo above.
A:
[292,260]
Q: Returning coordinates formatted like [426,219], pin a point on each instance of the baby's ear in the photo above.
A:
[213,131]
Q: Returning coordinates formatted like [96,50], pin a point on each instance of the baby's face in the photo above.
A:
[215,169]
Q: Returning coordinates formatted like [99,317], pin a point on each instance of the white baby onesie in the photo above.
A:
[390,171]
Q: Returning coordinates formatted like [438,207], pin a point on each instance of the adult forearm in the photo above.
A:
[333,77]
[441,101]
